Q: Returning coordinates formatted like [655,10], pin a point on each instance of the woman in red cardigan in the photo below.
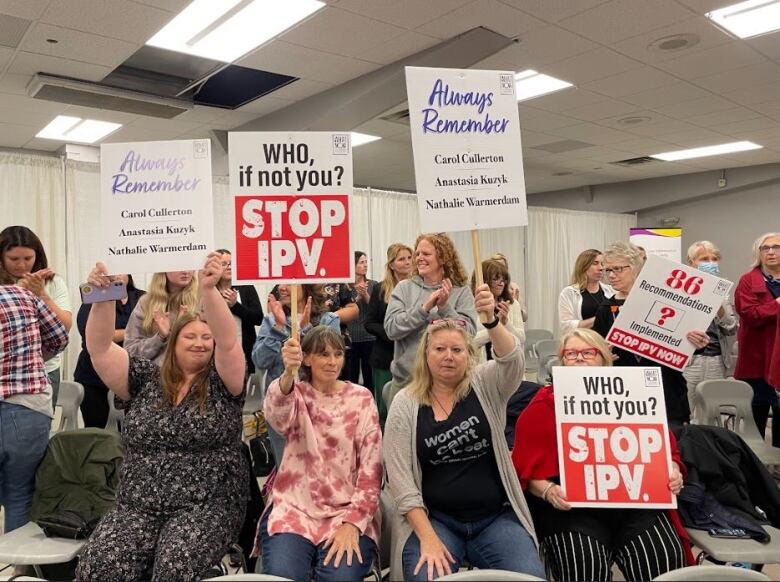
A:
[757,300]
[583,543]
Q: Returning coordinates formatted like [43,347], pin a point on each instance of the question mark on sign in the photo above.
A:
[340,170]
[653,403]
[666,313]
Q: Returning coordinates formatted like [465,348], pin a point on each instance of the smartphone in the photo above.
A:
[91,294]
[728,533]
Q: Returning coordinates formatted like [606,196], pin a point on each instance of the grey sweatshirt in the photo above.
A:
[405,319]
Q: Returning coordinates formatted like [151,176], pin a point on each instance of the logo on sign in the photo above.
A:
[341,144]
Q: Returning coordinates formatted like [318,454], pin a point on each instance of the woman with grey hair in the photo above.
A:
[622,263]
[757,299]
[714,361]
[456,495]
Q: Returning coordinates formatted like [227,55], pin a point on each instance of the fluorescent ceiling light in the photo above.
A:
[749,18]
[75,129]
[358,139]
[530,84]
[225,30]
[714,150]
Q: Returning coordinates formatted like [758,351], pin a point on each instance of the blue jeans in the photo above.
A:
[24,437]
[294,557]
[499,542]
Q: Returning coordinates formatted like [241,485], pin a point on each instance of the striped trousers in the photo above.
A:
[575,556]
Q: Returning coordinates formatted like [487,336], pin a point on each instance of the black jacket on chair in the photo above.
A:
[250,312]
[723,463]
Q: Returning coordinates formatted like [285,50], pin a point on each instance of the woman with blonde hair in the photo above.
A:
[169,295]
[622,263]
[578,303]
[583,543]
[496,275]
[397,268]
[449,472]
[757,299]
[437,289]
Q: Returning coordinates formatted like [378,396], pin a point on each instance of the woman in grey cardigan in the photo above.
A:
[455,492]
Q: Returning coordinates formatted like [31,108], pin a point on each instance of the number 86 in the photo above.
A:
[680,280]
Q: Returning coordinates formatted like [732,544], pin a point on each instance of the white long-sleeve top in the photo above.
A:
[514,324]
[570,306]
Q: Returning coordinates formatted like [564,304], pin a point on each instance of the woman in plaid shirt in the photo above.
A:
[30,333]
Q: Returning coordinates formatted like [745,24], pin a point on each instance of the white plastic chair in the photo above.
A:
[727,573]
[70,396]
[729,550]
[255,392]
[498,575]
[532,337]
[28,546]
[713,396]
[115,415]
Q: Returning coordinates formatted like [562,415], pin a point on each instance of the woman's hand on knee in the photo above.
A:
[435,555]
[344,541]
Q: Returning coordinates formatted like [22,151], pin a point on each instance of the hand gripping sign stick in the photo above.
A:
[475,246]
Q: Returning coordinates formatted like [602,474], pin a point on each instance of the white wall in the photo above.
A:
[732,221]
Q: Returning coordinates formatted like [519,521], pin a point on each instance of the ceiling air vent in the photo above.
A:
[401,116]
[87,94]
[635,161]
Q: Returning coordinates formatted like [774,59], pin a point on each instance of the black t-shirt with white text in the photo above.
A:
[459,472]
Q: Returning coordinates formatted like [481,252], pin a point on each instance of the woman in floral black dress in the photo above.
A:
[182,492]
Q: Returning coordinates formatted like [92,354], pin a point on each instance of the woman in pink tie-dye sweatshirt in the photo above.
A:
[323,522]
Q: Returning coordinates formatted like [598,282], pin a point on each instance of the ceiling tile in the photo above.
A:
[753,75]
[382,128]
[756,94]
[591,133]
[298,61]
[6,54]
[696,138]
[341,32]
[491,14]
[101,114]
[630,82]
[726,116]
[602,110]
[685,109]
[29,64]
[553,10]
[678,91]
[644,146]
[564,100]
[538,120]
[29,9]
[77,46]
[652,117]
[743,127]
[540,46]
[175,6]
[657,129]
[25,116]
[15,136]
[771,108]
[592,65]
[404,13]
[398,47]
[265,105]
[201,114]
[112,18]
[174,126]
[232,119]
[637,47]
[767,44]
[31,105]
[14,84]
[43,145]
[620,19]
[721,58]
[533,138]
[300,89]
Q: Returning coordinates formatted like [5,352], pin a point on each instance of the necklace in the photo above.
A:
[444,410]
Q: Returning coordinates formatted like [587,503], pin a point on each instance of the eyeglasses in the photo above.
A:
[587,354]
[616,270]
[226,265]
[498,280]
[769,248]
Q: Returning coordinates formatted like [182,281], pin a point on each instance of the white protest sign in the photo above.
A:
[613,438]
[662,242]
[291,199]
[156,205]
[667,301]
[468,159]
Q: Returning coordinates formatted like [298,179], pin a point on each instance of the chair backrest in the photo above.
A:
[255,392]
[548,366]
[545,349]
[489,575]
[70,396]
[115,415]
[532,337]
[727,573]
[386,394]
[712,396]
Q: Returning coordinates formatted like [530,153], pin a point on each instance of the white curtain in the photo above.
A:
[555,239]
[60,202]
